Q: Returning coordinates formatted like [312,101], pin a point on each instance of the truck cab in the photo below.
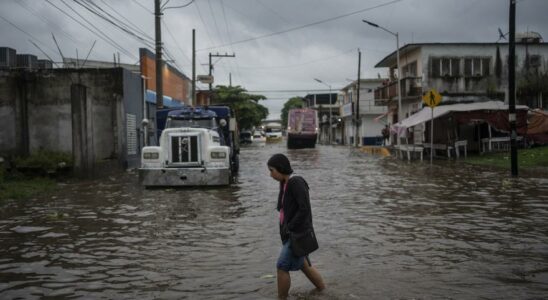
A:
[192,151]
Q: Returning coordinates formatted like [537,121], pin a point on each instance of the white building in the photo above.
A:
[464,72]
[368,129]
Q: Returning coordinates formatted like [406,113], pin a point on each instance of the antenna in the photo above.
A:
[44,53]
[61,53]
[502,36]
[89,53]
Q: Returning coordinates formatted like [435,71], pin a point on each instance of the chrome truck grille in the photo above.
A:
[185,150]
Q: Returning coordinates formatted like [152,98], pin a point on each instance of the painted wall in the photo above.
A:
[461,84]
[80,111]
[175,84]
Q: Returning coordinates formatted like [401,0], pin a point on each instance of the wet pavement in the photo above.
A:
[387,230]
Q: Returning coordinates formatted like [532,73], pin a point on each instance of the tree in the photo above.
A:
[246,106]
[294,102]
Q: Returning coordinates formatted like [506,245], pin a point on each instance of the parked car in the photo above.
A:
[258,137]
[246,138]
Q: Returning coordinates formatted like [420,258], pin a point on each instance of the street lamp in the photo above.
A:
[330,104]
[399,69]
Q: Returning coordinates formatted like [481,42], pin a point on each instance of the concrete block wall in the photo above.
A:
[80,111]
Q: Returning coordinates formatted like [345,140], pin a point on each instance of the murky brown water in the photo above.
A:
[387,230]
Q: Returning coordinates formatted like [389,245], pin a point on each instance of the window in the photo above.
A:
[435,67]
[445,66]
[477,66]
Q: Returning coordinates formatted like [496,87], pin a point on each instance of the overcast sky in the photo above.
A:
[280,45]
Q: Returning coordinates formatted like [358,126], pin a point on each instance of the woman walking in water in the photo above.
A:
[295,223]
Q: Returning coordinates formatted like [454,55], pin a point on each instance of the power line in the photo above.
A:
[203,22]
[230,40]
[20,29]
[126,30]
[301,64]
[175,41]
[102,36]
[45,20]
[119,47]
[144,7]
[302,26]
[180,6]
[215,21]
[135,27]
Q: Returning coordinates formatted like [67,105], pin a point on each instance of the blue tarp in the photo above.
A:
[168,101]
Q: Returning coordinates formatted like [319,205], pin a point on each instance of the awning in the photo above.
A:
[168,101]
[426,113]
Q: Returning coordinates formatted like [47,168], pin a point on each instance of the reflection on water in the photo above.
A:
[387,230]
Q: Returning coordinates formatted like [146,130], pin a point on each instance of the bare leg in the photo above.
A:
[313,275]
[284,282]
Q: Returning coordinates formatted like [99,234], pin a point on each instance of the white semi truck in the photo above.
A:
[193,151]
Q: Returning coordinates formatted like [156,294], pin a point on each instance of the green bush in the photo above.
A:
[20,189]
[44,160]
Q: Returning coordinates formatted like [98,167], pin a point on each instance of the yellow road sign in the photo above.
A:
[431,98]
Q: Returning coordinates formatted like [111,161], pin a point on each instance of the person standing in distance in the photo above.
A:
[295,217]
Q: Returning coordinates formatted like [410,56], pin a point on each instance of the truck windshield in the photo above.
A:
[201,123]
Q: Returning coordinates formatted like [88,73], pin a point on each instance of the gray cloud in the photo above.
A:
[287,61]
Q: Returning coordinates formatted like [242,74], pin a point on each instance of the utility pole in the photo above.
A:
[512,89]
[358,120]
[211,67]
[193,99]
[159,62]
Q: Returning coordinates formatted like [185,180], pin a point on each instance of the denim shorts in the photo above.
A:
[289,262]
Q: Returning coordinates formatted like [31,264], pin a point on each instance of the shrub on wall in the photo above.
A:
[44,161]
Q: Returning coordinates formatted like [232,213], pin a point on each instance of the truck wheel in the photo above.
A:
[235,164]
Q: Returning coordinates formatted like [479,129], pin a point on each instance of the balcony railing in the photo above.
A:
[411,87]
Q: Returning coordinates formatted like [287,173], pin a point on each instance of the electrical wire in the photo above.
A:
[180,6]
[303,26]
[235,61]
[134,26]
[147,42]
[143,7]
[20,29]
[29,8]
[103,36]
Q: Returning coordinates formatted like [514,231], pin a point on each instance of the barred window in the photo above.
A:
[445,66]
[477,66]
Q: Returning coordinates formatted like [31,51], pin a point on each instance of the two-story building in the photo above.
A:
[365,126]
[463,73]
[326,105]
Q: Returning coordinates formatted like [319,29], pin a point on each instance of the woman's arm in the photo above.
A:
[299,190]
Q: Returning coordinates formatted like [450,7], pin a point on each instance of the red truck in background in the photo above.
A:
[302,128]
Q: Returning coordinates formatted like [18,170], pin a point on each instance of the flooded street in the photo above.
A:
[387,230]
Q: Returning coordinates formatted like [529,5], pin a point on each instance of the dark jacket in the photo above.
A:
[297,211]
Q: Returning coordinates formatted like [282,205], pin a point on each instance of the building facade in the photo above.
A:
[93,114]
[463,73]
[367,127]
[176,85]
[327,107]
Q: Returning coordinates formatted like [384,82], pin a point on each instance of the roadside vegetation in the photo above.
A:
[527,158]
[33,175]
[249,112]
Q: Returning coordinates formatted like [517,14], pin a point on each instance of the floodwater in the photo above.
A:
[387,230]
